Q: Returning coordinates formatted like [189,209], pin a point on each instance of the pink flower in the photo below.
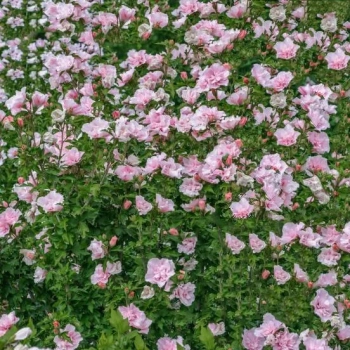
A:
[316,344]
[10,216]
[319,141]
[185,292]
[190,187]
[316,164]
[251,341]
[286,341]
[269,326]
[51,202]
[286,136]
[234,244]
[241,209]
[99,276]
[136,318]
[164,205]
[96,128]
[261,75]
[286,49]
[74,337]
[344,333]
[213,77]
[255,243]
[97,249]
[280,81]
[15,103]
[187,246]
[217,328]
[337,60]
[72,157]
[159,271]
[326,279]
[127,172]
[166,343]
[158,19]
[6,322]
[142,205]
[323,305]
[39,275]
[300,275]
[238,97]
[280,275]
[328,257]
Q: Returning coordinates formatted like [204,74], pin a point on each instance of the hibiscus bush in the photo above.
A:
[174,174]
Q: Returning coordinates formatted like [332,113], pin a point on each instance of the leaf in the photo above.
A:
[139,343]
[207,338]
[117,321]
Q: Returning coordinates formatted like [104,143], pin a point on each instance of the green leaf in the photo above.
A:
[117,321]
[207,338]
[139,343]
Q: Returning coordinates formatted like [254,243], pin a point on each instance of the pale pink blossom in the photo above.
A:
[97,249]
[39,275]
[51,202]
[187,246]
[300,275]
[72,157]
[164,205]
[286,49]
[241,209]
[217,328]
[136,318]
[185,292]
[74,339]
[142,205]
[234,244]
[159,271]
[337,60]
[328,257]
[7,321]
[251,341]
[286,136]
[255,243]
[281,276]
[323,305]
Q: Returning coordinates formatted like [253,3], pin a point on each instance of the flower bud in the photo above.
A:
[113,241]
[115,114]
[20,180]
[228,196]
[184,75]
[127,204]
[265,274]
[174,232]
[201,204]
[20,122]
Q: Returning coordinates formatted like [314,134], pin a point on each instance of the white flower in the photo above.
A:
[147,293]
[278,100]
[278,13]
[23,333]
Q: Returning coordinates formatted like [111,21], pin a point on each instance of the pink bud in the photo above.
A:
[174,232]
[184,75]
[242,34]
[239,142]
[228,196]
[20,122]
[101,285]
[295,206]
[20,180]
[116,114]
[146,35]
[243,121]
[127,204]
[201,204]
[265,274]
[113,241]
[5,204]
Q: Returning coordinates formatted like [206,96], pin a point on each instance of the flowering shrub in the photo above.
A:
[174,175]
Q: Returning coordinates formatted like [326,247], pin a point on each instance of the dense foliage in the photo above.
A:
[174,175]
